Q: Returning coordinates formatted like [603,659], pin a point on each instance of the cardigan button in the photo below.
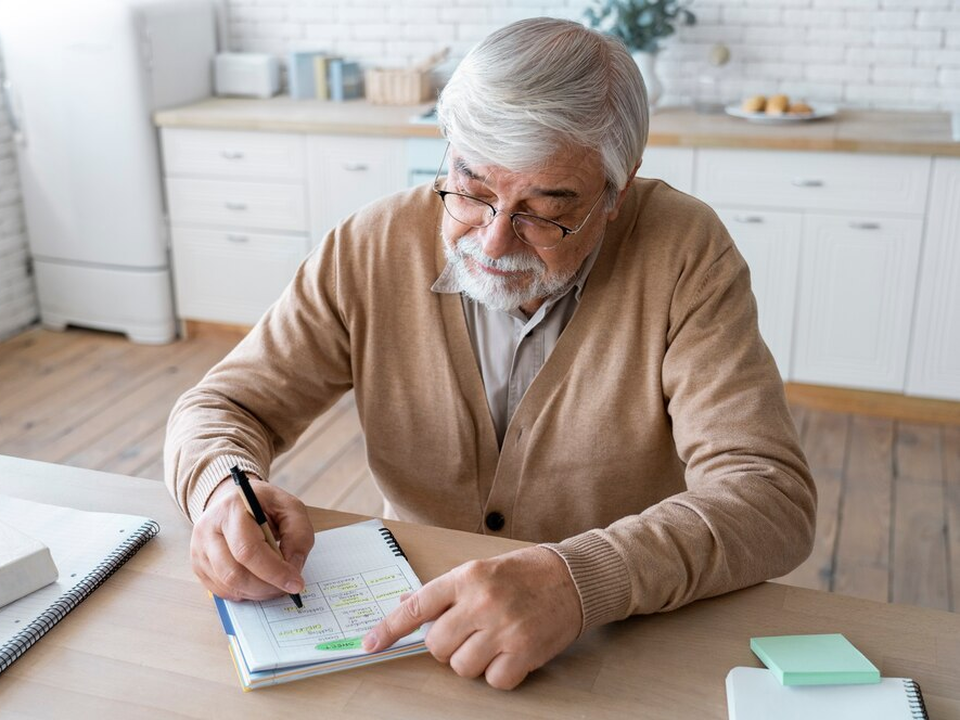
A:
[495,521]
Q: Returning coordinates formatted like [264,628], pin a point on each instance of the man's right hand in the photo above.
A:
[230,555]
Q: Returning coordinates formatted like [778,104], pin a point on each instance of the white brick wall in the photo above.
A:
[18,301]
[864,53]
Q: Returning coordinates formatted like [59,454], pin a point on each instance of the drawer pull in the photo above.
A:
[235,205]
[807,182]
[232,154]
[865,225]
[749,219]
[356,167]
[237,238]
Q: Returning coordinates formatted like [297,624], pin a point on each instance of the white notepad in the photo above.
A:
[354,577]
[756,694]
[87,547]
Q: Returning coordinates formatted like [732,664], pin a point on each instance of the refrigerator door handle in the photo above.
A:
[7,91]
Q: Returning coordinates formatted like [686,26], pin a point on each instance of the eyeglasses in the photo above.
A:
[530,229]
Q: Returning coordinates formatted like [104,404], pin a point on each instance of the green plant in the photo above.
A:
[641,24]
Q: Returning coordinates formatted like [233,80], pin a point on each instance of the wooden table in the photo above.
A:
[148,643]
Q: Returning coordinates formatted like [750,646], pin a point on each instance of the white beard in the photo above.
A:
[498,292]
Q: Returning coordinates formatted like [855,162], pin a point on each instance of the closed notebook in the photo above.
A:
[87,547]
[755,694]
[353,577]
[814,660]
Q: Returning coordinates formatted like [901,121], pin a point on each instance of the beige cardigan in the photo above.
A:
[654,448]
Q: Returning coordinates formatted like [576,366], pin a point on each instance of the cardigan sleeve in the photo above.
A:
[257,401]
[748,512]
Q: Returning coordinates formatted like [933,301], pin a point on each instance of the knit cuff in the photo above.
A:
[215,473]
[600,575]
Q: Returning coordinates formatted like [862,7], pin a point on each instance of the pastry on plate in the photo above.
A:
[777,105]
[754,104]
[799,108]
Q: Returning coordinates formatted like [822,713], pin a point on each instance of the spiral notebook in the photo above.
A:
[87,548]
[353,577]
[756,694]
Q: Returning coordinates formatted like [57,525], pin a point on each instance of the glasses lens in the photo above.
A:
[468,210]
[536,231]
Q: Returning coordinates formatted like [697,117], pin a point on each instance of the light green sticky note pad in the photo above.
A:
[814,660]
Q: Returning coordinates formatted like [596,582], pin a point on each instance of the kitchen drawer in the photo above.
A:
[813,181]
[232,277]
[245,205]
[234,155]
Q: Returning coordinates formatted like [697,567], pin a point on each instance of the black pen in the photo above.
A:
[259,517]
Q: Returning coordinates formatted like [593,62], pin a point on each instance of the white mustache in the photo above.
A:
[470,247]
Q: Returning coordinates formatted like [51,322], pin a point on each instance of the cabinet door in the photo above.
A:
[935,360]
[672,165]
[770,243]
[858,279]
[347,172]
[232,277]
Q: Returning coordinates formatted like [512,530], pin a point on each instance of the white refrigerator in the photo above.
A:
[82,81]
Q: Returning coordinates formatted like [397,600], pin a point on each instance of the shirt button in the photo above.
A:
[495,521]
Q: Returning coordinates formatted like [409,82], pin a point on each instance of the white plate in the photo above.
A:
[819,112]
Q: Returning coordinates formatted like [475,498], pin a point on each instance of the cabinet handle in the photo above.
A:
[750,219]
[865,225]
[235,205]
[807,182]
[237,238]
[355,167]
[232,154]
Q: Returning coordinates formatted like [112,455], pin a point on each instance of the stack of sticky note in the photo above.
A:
[25,564]
[814,660]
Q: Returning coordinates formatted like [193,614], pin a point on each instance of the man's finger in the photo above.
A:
[233,580]
[251,550]
[422,606]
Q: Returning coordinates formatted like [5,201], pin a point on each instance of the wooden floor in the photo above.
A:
[889,513]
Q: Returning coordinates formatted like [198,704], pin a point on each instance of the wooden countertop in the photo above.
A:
[149,643]
[874,131]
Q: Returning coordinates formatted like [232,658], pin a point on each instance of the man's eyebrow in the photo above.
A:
[562,193]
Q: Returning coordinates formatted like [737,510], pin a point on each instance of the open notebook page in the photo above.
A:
[354,576]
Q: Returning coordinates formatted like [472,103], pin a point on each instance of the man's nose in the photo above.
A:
[498,238]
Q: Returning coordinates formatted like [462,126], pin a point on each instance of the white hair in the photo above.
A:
[540,85]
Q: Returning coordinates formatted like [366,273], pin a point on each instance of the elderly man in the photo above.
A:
[541,347]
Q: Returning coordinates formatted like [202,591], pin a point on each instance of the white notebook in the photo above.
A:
[354,577]
[87,547]
[756,694]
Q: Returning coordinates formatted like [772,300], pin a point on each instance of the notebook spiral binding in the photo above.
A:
[392,542]
[22,641]
[915,699]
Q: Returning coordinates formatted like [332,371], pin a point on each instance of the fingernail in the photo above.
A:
[370,641]
[297,561]
[293,586]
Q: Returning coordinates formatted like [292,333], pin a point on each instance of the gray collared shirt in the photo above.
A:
[510,347]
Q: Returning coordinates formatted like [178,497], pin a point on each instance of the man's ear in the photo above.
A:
[621,196]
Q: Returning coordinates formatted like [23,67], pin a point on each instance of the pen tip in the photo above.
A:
[297,601]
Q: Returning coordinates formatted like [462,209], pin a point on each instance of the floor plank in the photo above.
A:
[863,541]
[919,574]
[951,476]
[825,437]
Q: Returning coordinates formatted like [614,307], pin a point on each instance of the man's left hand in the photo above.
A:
[501,617]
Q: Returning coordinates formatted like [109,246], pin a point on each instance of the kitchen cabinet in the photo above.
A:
[862,222]
[346,173]
[770,243]
[935,357]
[672,165]
[238,213]
[858,281]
